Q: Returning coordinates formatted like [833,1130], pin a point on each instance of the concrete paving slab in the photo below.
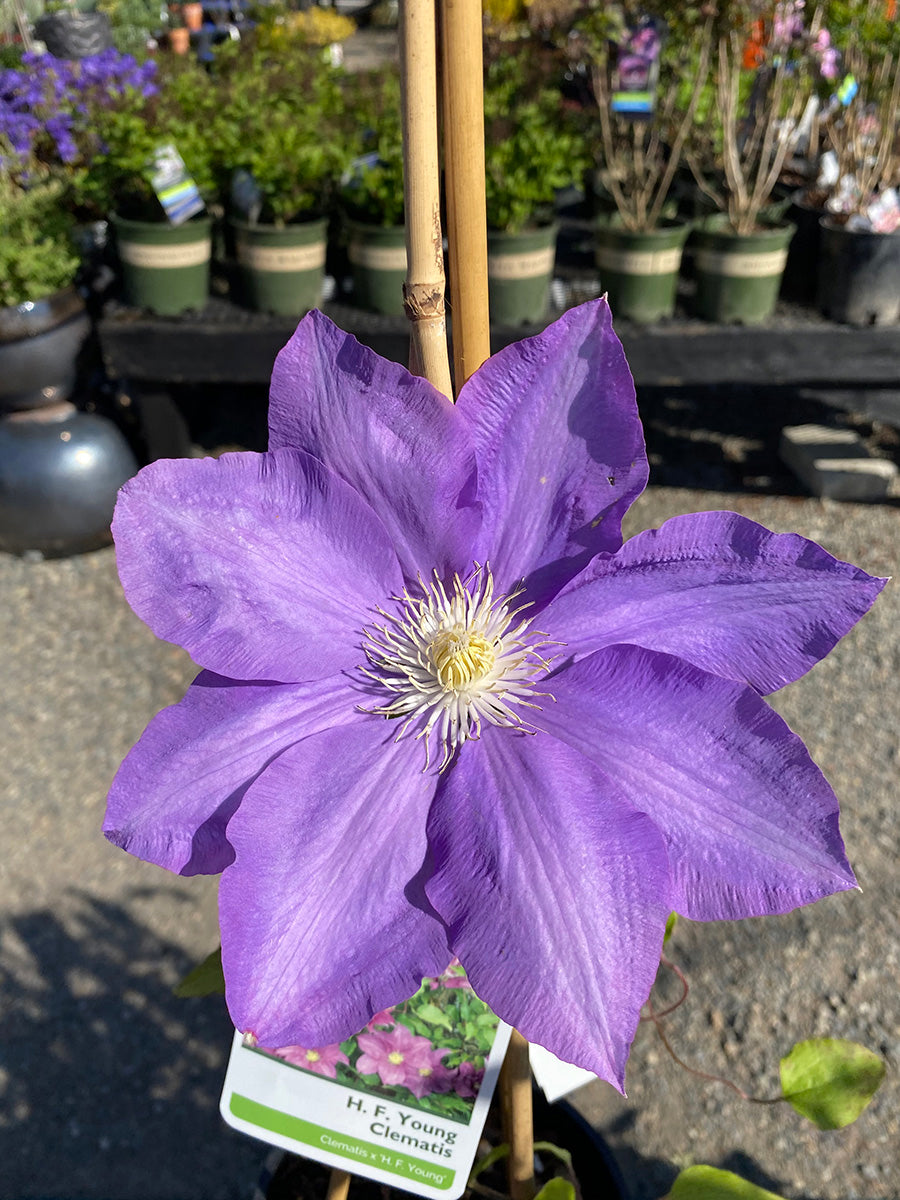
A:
[836,463]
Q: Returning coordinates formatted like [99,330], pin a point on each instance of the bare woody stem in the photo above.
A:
[684,126]
[518,1123]
[423,292]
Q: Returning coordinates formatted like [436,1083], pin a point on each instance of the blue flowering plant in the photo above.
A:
[49,106]
[445,711]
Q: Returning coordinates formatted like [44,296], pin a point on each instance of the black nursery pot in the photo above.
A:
[859,275]
[75,34]
[287,1177]
[802,267]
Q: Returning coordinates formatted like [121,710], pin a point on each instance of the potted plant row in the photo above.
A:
[284,143]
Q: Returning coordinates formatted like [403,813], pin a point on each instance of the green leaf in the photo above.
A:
[671,922]
[556,1189]
[206,979]
[492,1156]
[433,1015]
[709,1183]
[830,1080]
[559,1152]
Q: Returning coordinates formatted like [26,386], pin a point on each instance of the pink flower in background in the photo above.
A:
[395,1056]
[787,22]
[829,58]
[323,1061]
[455,981]
[468,1080]
[454,977]
[385,1017]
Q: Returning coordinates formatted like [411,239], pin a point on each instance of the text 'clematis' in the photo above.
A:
[445,711]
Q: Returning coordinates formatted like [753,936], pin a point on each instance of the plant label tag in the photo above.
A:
[636,72]
[358,167]
[554,1077]
[847,90]
[403,1102]
[174,187]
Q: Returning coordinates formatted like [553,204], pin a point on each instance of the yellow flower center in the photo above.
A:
[395,1057]
[313,1056]
[461,656]
[451,659]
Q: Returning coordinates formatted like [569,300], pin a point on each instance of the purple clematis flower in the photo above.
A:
[444,711]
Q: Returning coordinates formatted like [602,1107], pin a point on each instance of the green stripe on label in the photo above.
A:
[385,1158]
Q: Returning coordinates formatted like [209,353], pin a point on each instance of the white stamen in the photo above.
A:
[454,661]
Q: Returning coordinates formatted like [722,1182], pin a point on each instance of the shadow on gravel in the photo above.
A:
[725,439]
[110,1085]
[722,439]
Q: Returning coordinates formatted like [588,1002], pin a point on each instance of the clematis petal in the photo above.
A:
[555,892]
[390,435]
[560,450]
[262,566]
[174,794]
[750,821]
[719,591]
[323,919]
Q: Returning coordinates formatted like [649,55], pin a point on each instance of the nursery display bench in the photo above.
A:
[224,343]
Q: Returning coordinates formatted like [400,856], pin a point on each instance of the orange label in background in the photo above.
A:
[753,50]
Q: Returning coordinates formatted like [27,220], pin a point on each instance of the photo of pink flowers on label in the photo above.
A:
[428,1052]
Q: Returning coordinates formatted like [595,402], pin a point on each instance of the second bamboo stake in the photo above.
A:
[461,29]
[518,1120]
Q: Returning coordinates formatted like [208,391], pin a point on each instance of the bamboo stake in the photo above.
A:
[423,292]
[463,129]
[461,30]
[518,1123]
[338,1185]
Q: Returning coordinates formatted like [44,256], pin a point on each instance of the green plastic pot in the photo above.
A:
[639,271]
[281,267]
[165,268]
[377,255]
[520,267]
[738,275]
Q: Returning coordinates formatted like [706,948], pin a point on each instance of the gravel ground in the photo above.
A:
[109,1087]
